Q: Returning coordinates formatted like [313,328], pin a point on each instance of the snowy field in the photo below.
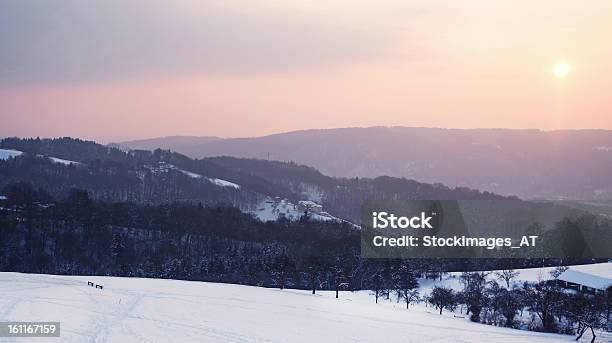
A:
[153,310]
[5,154]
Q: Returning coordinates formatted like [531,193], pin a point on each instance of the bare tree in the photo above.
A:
[507,275]
[411,297]
[555,273]
[378,286]
[589,311]
[406,285]
[473,293]
[545,298]
[443,298]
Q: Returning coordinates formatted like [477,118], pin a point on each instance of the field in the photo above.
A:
[153,310]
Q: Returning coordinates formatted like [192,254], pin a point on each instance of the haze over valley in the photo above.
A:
[533,164]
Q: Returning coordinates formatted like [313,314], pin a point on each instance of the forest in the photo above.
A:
[182,240]
[114,213]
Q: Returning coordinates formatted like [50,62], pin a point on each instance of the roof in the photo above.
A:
[308,203]
[597,276]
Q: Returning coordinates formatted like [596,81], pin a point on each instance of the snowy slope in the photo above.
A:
[5,154]
[273,209]
[154,310]
[62,161]
[163,167]
[223,183]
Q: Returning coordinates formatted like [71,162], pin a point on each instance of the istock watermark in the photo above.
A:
[383,220]
[482,229]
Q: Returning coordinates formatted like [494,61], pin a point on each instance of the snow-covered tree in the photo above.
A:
[443,298]
[507,275]
[473,293]
[406,285]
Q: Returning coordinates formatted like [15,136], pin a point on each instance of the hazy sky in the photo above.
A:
[115,69]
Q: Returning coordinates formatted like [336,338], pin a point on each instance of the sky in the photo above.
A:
[113,70]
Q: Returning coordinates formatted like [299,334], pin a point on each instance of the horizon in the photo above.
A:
[131,140]
[116,71]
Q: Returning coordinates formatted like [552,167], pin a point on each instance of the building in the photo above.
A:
[591,278]
[311,206]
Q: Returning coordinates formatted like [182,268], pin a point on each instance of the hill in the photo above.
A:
[176,142]
[135,310]
[161,176]
[564,164]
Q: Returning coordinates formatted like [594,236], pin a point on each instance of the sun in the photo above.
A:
[561,69]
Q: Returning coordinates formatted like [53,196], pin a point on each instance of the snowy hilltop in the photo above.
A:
[154,310]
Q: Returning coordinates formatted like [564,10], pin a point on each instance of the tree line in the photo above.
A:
[76,234]
[79,235]
[550,308]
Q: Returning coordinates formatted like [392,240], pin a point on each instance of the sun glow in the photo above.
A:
[561,69]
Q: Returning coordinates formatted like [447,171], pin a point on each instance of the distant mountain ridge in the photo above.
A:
[533,164]
[176,142]
[161,177]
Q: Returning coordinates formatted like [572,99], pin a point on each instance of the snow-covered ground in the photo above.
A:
[154,310]
[163,167]
[62,161]
[223,183]
[273,209]
[5,154]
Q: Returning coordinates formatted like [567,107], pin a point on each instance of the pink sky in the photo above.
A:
[171,69]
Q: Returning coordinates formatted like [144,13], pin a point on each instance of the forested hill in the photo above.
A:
[81,236]
[159,176]
[78,235]
[531,164]
[75,207]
